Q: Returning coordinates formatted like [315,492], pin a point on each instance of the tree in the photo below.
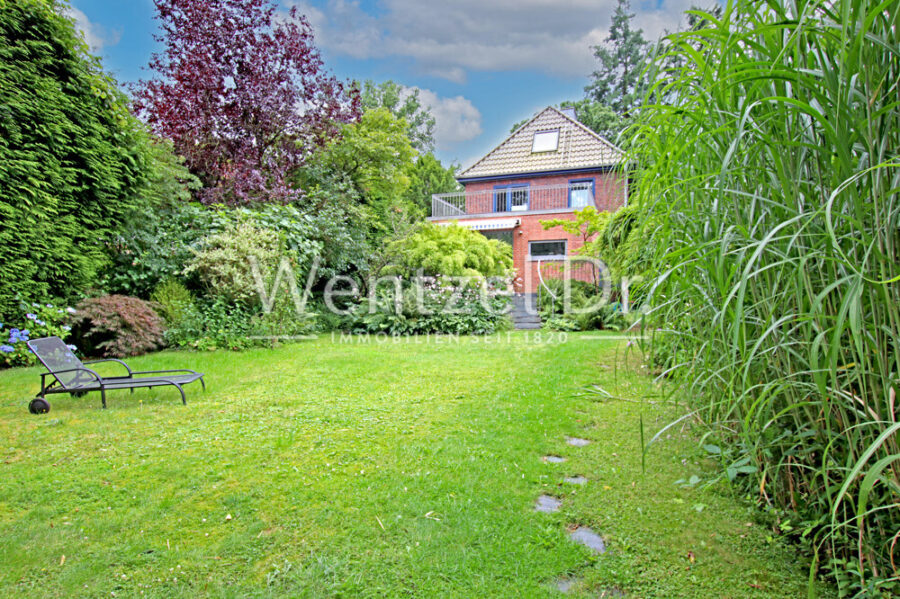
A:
[588,222]
[616,93]
[404,103]
[72,159]
[598,117]
[427,177]
[618,84]
[372,159]
[148,246]
[242,95]
[168,178]
[515,127]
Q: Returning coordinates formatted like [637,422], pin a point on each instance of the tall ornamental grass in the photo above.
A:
[770,156]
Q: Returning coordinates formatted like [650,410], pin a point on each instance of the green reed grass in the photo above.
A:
[769,160]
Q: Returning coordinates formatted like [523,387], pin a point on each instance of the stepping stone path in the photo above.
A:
[587,537]
[582,534]
[547,504]
[576,442]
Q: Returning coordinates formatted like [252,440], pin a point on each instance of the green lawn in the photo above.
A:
[369,469]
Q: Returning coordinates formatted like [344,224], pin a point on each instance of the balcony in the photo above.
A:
[522,198]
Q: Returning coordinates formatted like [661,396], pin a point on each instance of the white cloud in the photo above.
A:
[455,119]
[95,35]
[451,37]
[342,27]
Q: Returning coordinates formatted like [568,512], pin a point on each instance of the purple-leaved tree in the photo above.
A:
[242,92]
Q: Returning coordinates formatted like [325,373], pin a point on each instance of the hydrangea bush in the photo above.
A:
[38,320]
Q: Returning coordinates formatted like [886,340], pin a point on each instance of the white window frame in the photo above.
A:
[545,144]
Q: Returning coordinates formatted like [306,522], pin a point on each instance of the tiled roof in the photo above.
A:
[578,147]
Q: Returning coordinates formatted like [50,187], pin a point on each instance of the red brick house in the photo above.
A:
[546,169]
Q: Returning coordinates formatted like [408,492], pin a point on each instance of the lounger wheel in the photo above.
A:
[39,405]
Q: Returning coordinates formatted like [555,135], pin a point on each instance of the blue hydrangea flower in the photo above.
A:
[24,332]
[39,322]
[7,349]
[31,316]
[72,348]
[49,305]
[66,327]
[70,310]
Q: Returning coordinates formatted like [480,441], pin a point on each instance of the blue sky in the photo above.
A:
[480,65]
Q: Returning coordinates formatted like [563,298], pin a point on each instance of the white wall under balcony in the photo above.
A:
[485,224]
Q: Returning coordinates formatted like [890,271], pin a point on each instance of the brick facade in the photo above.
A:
[609,192]
[609,195]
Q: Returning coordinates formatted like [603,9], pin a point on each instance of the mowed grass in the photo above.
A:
[369,470]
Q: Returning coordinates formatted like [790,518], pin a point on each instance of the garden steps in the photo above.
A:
[525,314]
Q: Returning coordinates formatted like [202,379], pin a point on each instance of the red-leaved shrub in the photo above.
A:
[116,326]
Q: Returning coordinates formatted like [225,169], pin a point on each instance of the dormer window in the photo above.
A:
[545,141]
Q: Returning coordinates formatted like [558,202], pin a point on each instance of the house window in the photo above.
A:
[504,235]
[545,141]
[510,198]
[547,250]
[581,193]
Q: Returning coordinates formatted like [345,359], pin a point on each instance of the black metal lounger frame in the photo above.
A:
[104,384]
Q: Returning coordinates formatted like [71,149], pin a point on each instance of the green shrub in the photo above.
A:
[72,158]
[38,320]
[116,326]
[552,295]
[214,325]
[282,323]
[156,246]
[220,324]
[325,232]
[557,322]
[223,262]
[450,251]
[608,317]
[160,240]
[587,310]
[172,300]
[468,316]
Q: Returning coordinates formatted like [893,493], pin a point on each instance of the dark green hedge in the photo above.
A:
[71,156]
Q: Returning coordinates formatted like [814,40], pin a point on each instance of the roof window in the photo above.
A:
[545,141]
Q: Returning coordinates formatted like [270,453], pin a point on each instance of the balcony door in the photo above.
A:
[511,198]
[581,193]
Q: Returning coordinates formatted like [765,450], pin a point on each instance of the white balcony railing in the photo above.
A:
[524,198]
